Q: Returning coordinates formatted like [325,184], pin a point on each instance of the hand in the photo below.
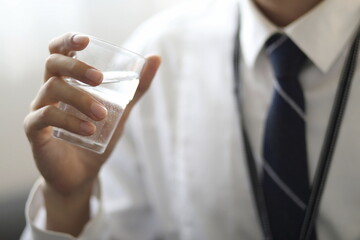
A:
[70,171]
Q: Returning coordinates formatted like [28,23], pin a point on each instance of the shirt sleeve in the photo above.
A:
[120,207]
[36,218]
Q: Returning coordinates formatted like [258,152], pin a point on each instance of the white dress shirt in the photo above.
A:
[179,172]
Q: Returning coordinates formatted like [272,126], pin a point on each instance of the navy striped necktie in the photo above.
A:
[285,177]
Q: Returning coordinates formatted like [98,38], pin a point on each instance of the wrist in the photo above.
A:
[68,212]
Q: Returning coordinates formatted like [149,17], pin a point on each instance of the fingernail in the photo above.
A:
[98,110]
[87,128]
[94,75]
[79,39]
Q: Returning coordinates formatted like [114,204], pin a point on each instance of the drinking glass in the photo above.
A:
[121,69]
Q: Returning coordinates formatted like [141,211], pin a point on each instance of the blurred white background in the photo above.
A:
[26,27]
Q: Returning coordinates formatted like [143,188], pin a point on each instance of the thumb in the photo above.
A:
[148,73]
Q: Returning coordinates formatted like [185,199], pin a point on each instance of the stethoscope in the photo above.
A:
[328,147]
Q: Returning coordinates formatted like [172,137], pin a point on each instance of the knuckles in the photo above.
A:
[51,84]
[51,61]
[61,43]
[48,88]
[57,64]
[47,112]
[33,105]
[26,125]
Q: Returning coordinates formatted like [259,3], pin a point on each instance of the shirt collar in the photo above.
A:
[322,33]
[255,29]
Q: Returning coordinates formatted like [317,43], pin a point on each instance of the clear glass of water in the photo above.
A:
[121,69]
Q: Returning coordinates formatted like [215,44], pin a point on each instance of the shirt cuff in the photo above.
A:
[35,213]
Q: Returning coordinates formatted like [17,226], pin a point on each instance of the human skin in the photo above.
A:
[69,171]
[284,12]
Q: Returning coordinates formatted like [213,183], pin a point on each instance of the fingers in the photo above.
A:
[52,116]
[56,89]
[45,114]
[67,43]
[60,65]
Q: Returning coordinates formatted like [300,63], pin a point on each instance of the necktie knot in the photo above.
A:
[286,58]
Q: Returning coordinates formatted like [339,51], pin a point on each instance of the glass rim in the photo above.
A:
[109,44]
